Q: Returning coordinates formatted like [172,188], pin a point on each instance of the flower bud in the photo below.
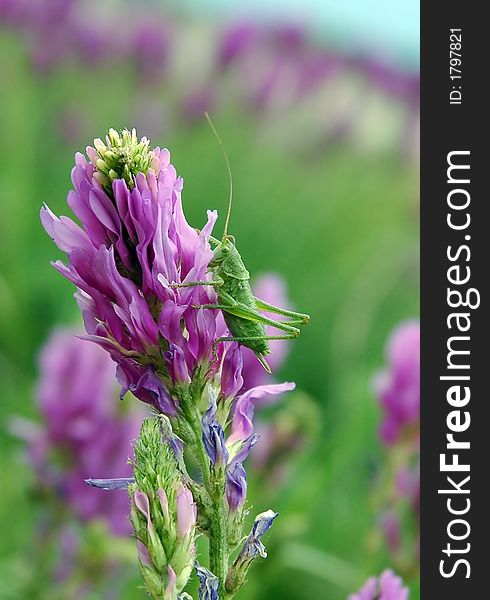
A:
[163,515]
[121,156]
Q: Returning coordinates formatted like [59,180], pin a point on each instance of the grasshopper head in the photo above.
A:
[224,250]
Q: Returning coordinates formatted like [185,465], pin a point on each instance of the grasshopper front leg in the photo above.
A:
[215,283]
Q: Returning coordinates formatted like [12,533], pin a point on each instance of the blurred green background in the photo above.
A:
[340,224]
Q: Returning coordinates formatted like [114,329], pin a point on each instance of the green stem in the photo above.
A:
[193,418]
[214,483]
[218,540]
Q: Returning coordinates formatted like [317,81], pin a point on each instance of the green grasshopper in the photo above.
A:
[239,306]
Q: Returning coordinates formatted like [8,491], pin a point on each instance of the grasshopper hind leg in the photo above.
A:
[263,362]
[246,341]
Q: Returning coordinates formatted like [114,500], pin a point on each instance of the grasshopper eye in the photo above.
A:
[225,249]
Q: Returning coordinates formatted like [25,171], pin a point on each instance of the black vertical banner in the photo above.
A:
[455,306]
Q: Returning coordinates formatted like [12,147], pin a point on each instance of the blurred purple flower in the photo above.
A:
[394,82]
[398,387]
[92,45]
[408,485]
[13,12]
[387,586]
[289,38]
[49,26]
[82,435]
[390,526]
[315,68]
[235,42]
[150,49]
[199,101]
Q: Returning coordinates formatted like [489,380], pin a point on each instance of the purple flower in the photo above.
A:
[236,486]
[82,429]
[145,385]
[398,387]
[242,424]
[242,439]
[133,244]
[213,437]
[387,586]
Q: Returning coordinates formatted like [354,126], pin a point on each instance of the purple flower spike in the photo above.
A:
[398,387]
[132,246]
[387,586]
[213,437]
[236,486]
[208,584]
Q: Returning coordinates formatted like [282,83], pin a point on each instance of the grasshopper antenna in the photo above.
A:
[221,145]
